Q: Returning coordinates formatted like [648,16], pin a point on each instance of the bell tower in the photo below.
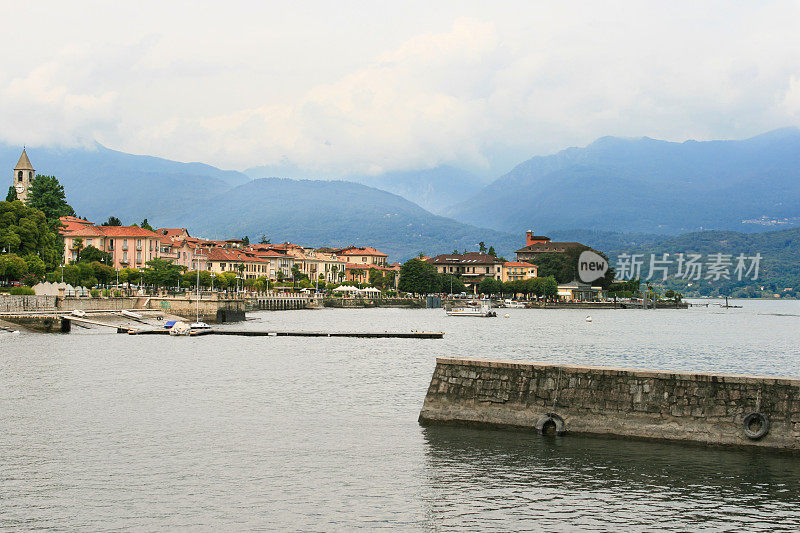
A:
[23,175]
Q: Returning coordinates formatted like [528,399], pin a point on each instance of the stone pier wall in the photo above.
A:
[700,407]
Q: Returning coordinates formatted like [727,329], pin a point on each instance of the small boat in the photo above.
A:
[79,313]
[169,323]
[511,304]
[481,308]
[130,314]
[180,329]
[199,325]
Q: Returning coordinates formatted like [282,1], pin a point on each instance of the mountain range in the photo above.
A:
[647,185]
[612,194]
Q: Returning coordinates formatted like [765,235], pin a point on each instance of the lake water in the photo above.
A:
[103,431]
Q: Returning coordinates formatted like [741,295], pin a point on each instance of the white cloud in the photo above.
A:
[364,88]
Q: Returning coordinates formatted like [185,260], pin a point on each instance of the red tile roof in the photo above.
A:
[73,223]
[469,258]
[127,231]
[517,264]
[173,232]
[361,250]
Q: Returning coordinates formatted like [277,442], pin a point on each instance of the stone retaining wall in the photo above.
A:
[18,303]
[700,407]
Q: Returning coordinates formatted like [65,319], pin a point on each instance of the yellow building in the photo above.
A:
[517,270]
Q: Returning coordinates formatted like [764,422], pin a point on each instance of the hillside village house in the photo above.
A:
[315,263]
[129,246]
[362,255]
[471,267]
[536,245]
[518,270]
[256,264]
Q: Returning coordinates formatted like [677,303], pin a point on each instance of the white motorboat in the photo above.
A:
[482,308]
[80,313]
[511,304]
[130,314]
[199,325]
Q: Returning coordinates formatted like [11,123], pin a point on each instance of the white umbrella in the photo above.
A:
[346,288]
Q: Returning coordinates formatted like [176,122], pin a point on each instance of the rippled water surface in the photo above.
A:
[105,431]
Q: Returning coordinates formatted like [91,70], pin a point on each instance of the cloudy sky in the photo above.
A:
[363,87]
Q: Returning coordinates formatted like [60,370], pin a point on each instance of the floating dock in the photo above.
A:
[241,333]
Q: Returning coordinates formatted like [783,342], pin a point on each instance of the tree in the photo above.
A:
[146,225]
[492,252]
[12,267]
[450,284]
[91,254]
[419,277]
[246,240]
[25,230]
[482,247]
[77,245]
[47,195]
[376,278]
[264,240]
[162,273]
[112,221]
[12,194]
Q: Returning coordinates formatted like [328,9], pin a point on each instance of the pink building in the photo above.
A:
[129,246]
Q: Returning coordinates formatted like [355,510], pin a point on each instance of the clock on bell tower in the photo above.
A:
[23,175]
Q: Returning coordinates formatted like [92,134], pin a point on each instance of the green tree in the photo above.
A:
[449,284]
[12,267]
[482,247]
[162,273]
[264,240]
[246,240]
[419,277]
[376,278]
[112,221]
[91,254]
[146,225]
[492,252]
[47,195]
[12,194]
[25,230]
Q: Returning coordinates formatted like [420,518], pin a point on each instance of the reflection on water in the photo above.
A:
[103,431]
[482,479]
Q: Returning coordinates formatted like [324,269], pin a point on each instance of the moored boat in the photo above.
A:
[482,308]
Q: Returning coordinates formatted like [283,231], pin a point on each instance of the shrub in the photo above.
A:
[22,291]
[95,293]
[106,292]
[117,293]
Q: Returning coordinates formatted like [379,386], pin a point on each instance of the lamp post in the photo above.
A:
[212,282]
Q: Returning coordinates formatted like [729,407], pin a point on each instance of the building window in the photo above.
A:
[138,257]
[88,242]
[111,244]
[19,176]
[124,257]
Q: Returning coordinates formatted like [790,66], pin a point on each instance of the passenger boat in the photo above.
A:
[481,308]
[511,304]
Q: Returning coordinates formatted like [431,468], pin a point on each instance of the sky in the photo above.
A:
[342,88]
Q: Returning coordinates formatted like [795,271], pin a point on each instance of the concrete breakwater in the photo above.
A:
[699,407]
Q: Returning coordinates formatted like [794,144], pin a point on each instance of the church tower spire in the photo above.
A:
[23,175]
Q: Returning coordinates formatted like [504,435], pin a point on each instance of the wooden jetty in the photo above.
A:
[243,333]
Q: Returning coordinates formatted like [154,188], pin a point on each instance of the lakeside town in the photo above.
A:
[72,256]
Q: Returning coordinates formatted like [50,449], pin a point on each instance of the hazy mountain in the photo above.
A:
[100,182]
[646,185]
[434,189]
[779,267]
[321,213]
